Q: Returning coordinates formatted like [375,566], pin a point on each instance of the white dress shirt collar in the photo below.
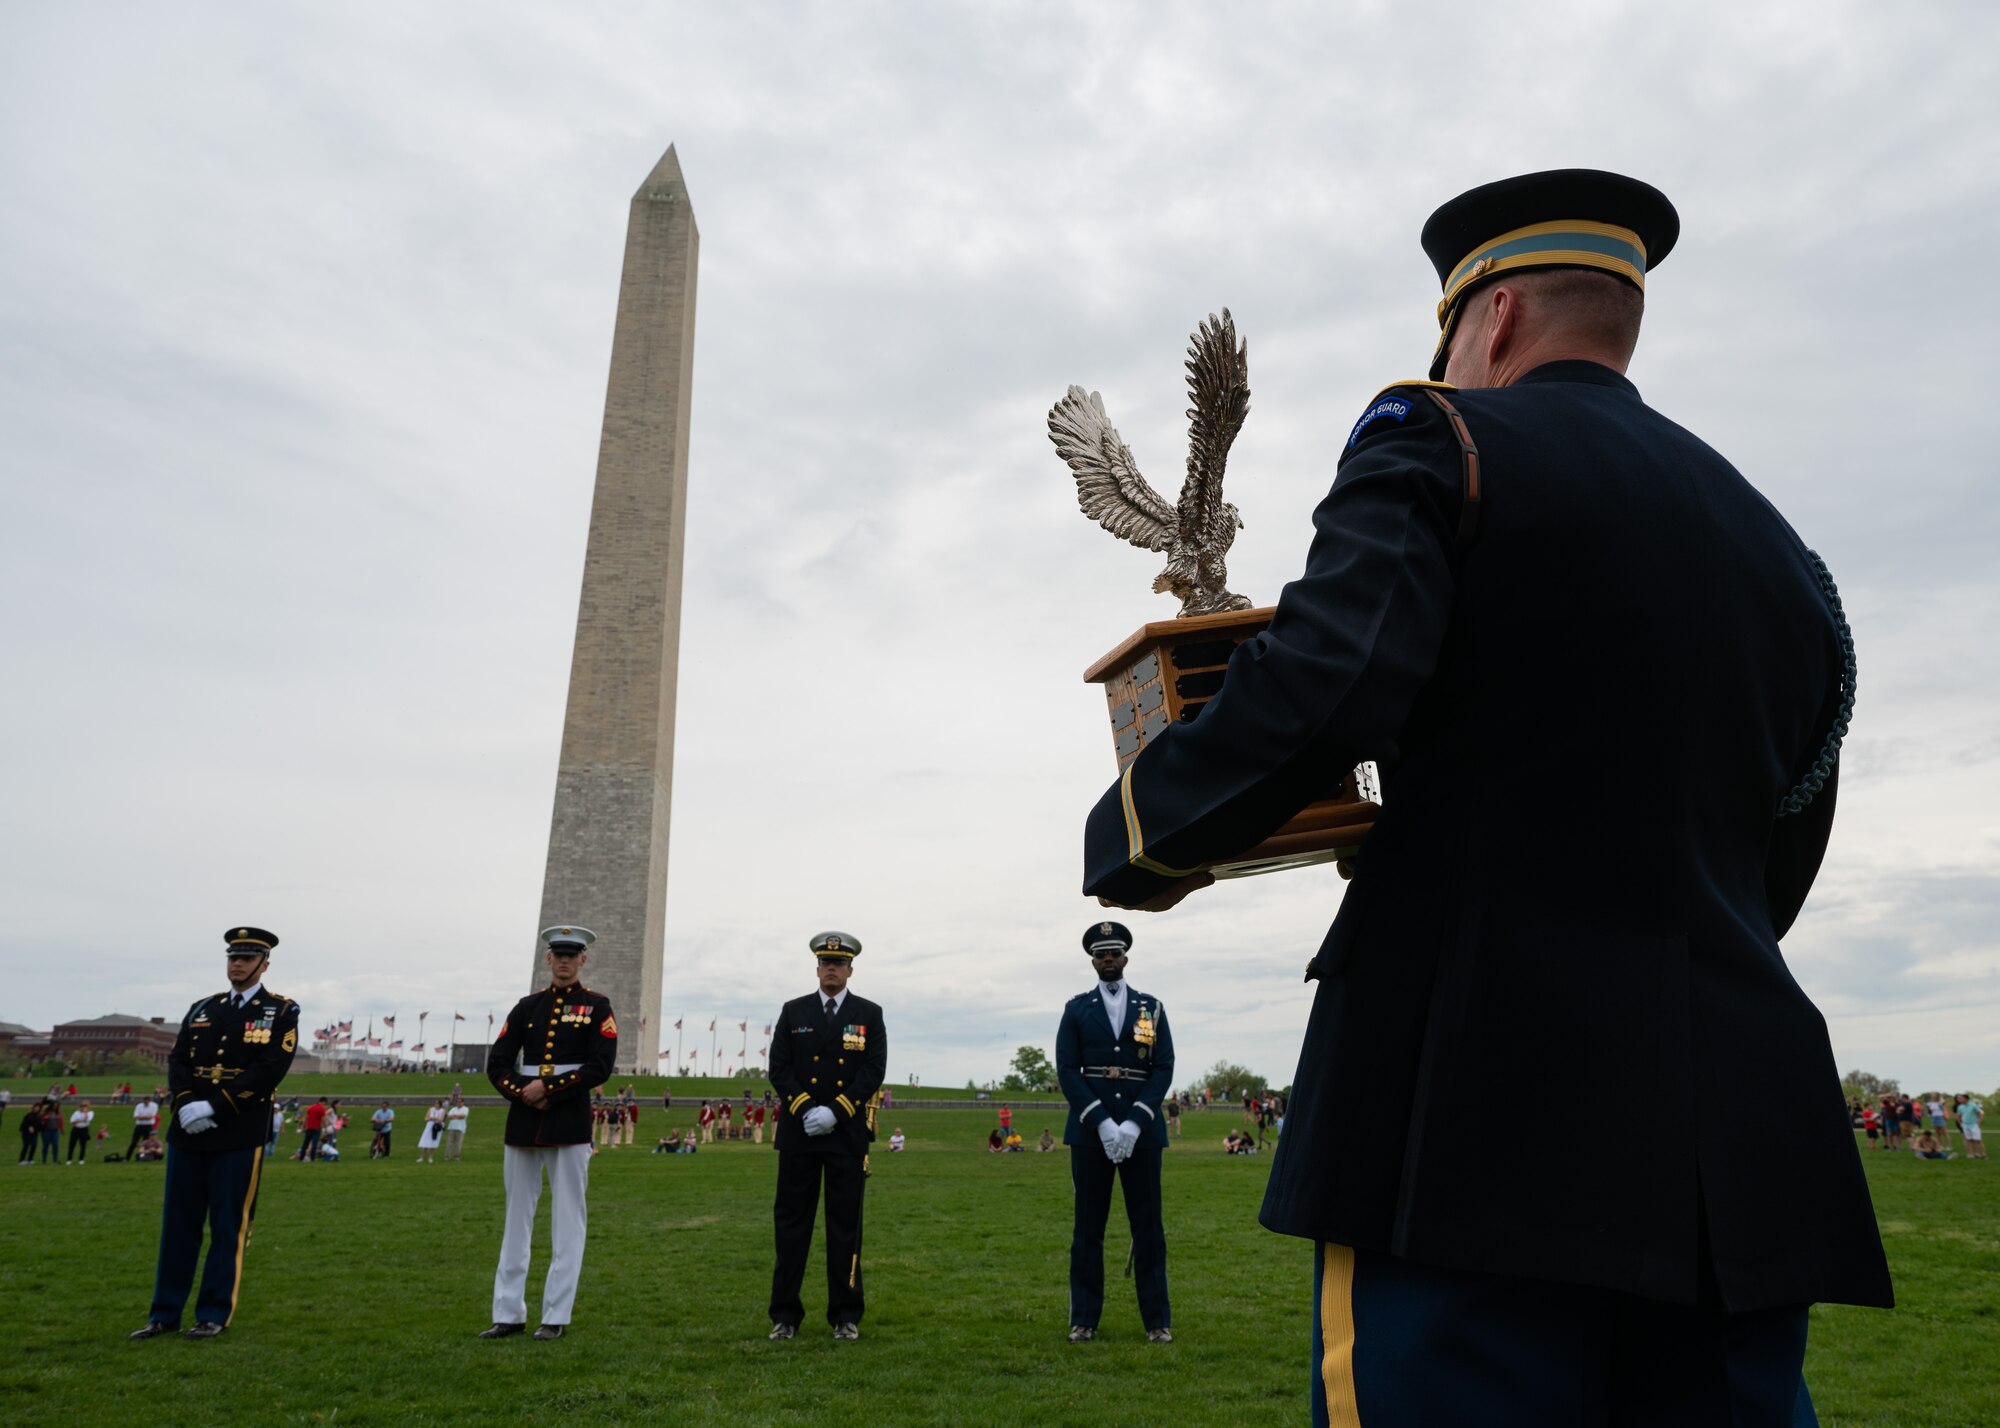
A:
[1113,994]
[839,1000]
[242,998]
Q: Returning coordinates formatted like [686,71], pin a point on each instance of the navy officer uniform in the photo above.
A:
[1605,683]
[232,1051]
[557,1045]
[1115,1060]
[828,1058]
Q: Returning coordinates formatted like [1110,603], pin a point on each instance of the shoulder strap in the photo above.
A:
[1468,452]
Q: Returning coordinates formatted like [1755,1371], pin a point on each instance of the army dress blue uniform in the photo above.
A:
[1598,672]
[231,1053]
[827,1068]
[566,1037]
[1114,1077]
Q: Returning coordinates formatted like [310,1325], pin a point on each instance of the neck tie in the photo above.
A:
[829,1008]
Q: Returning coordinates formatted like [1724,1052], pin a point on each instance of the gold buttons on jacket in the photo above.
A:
[814,1081]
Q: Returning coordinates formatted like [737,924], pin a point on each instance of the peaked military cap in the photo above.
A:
[251,937]
[568,939]
[1107,937]
[1559,218]
[836,944]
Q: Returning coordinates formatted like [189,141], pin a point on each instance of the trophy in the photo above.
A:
[1167,670]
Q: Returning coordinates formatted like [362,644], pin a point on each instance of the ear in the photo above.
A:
[1504,327]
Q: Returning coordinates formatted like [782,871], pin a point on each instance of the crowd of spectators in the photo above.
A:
[1923,1124]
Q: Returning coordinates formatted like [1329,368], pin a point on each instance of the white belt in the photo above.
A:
[521,1065]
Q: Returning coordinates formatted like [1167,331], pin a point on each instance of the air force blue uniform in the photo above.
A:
[1122,1077]
[1588,716]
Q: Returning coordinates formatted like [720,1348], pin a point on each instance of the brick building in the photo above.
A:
[103,1037]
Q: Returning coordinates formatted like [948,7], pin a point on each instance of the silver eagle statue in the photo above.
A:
[1197,532]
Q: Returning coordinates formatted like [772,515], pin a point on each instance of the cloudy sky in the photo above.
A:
[306,316]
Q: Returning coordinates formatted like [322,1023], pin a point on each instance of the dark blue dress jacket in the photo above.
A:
[1564,929]
[1145,1068]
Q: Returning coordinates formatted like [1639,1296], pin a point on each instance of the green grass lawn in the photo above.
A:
[367,1281]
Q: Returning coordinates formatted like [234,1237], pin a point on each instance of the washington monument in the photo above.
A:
[607,866]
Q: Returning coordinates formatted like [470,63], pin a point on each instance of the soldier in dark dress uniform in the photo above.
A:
[1115,1059]
[556,1046]
[828,1056]
[233,1050]
[1605,683]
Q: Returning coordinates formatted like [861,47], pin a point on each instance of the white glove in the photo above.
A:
[818,1120]
[1114,1143]
[197,1116]
[1128,1139]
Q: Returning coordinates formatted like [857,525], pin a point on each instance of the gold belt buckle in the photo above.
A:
[548,1069]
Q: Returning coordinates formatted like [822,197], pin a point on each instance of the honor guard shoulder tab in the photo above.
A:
[1386,404]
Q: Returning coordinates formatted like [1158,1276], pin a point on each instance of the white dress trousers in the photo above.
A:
[568,1169]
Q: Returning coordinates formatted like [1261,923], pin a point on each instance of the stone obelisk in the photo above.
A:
[607,866]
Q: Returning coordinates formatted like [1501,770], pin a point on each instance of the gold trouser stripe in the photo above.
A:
[243,1231]
[1336,1331]
[1135,836]
[853,1269]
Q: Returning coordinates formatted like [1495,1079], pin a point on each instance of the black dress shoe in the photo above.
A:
[550,1331]
[153,1330]
[202,1331]
[501,1331]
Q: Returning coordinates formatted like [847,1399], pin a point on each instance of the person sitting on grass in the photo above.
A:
[689,1145]
[670,1144]
[1013,1141]
[150,1149]
[993,1141]
[1927,1148]
[896,1140]
[1048,1140]
[329,1150]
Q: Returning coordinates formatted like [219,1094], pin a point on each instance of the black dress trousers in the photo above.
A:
[799,1176]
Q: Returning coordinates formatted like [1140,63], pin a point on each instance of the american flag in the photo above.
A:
[388,1021]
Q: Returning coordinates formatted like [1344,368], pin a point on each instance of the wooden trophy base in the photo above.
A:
[1162,674]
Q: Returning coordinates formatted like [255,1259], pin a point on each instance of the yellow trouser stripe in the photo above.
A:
[1336,1331]
[243,1231]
